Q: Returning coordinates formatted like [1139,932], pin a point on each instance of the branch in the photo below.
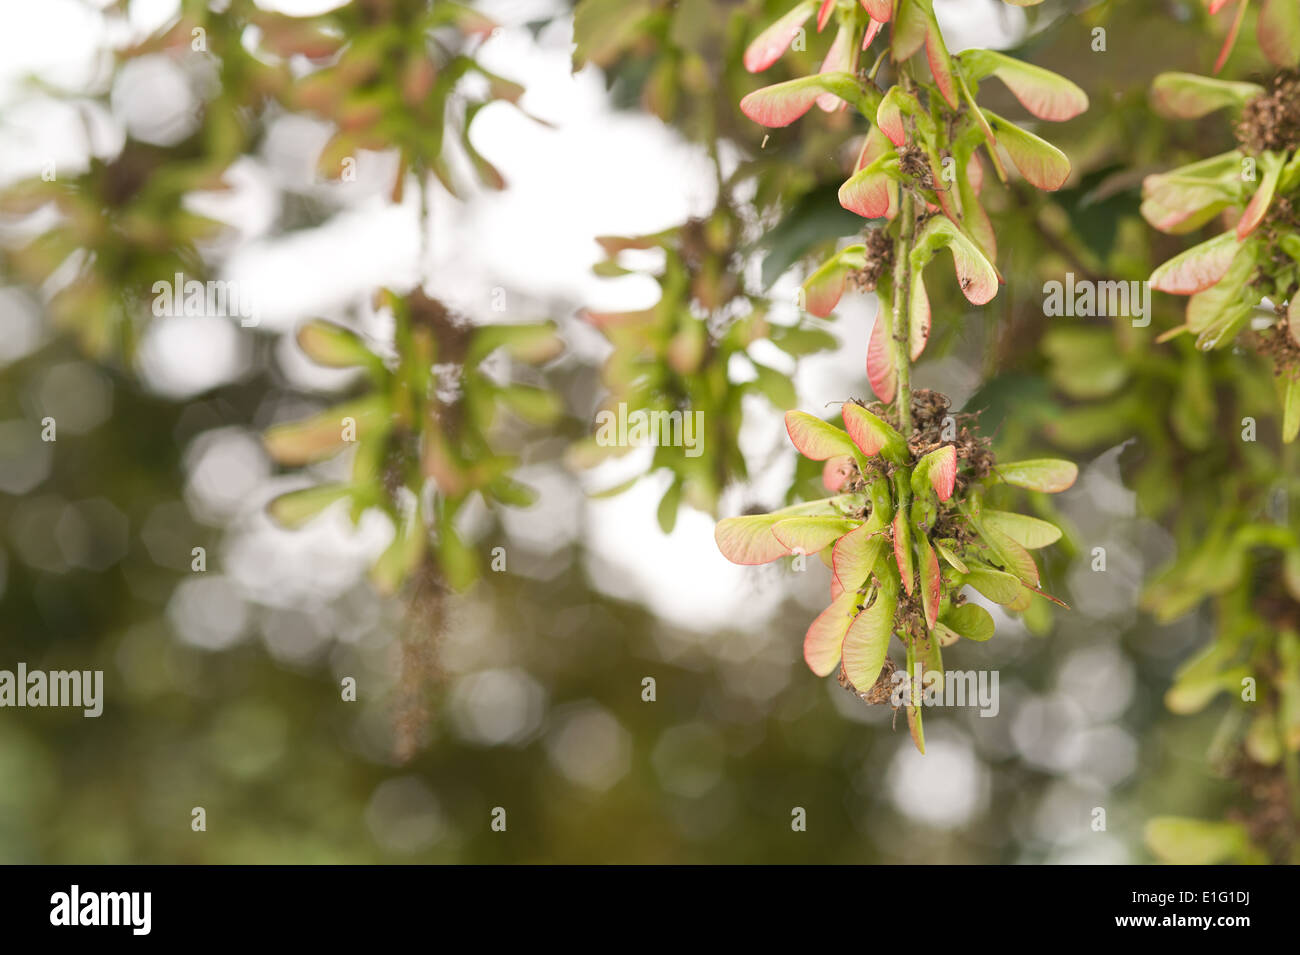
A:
[902,312]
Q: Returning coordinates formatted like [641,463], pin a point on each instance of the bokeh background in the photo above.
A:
[223,687]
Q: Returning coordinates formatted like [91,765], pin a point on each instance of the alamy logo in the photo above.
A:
[83,688]
[676,429]
[195,299]
[951,688]
[1088,299]
[102,908]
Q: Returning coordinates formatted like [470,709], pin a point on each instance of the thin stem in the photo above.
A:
[902,309]
[426,230]
[902,338]
[875,67]
[990,141]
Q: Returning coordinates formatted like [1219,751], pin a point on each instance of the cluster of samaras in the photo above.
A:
[903,535]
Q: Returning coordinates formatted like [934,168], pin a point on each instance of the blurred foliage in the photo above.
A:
[1202,438]
[684,64]
[530,686]
[124,223]
[1257,260]
[678,356]
[905,532]
[123,226]
[428,418]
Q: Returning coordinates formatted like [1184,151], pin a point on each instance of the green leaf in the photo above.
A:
[334,346]
[825,637]
[1189,96]
[512,493]
[668,505]
[1013,558]
[910,27]
[976,276]
[1184,841]
[1188,197]
[1084,362]
[534,343]
[928,563]
[534,405]
[1038,160]
[603,28]
[867,191]
[824,288]
[298,507]
[1271,164]
[1001,588]
[816,439]
[609,269]
[1278,33]
[937,472]
[872,434]
[1226,303]
[777,387]
[1050,475]
[946,553]
[930,655]
[855,555]
[1263,742]
[1024,530]
[1046,94]
[914,720]
[325,434]
[749,539]
[941,68]
[798,342]
[1198,268]
[783,103]
[808,535]
[969,621]
[459,564]
[401,556]
[866,643]
[769,45]
[1291,409]
[903,551]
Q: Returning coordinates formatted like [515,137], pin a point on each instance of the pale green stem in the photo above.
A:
[902,307]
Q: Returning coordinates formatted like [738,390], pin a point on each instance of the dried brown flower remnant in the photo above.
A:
[913,163]
[880,691]
[122,178]
[1267,815]
[934,425]
[451,332]
[1280,343]
[879,256]
[1271,121]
